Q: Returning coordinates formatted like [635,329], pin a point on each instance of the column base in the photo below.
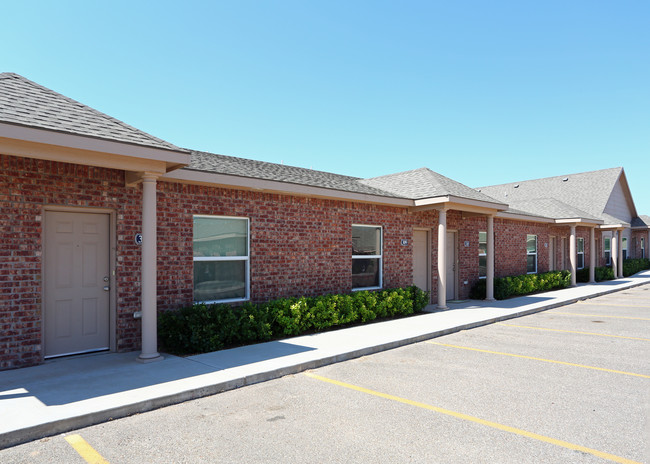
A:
[490,299]
[442,307]
[146,359]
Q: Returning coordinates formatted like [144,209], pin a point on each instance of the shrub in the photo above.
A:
[202,328]
[632,266]
[507,287]
[600,274]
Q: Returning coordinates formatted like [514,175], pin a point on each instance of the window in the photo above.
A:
[624,248]
[642,248]
[366,257]
[482,255]
[531,252]
[608,250]
[221,258]
[581,253]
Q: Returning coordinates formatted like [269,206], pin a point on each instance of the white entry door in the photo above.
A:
[76,280]
[451,266]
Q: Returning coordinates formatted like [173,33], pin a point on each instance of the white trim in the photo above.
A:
[246,259]
[482,254]
[528,253]
[578,252]
[380,257]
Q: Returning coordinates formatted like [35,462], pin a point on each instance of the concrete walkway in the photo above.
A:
[66,394]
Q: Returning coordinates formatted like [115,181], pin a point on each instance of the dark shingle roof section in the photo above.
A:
[26,103]
[586,192]
[221,164]
[641,221]
[425,183]
[548,207]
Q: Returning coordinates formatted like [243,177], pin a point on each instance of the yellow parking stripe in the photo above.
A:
[588,303]
[86,451]
[600,315]
[575,332]
[541,359]
[477,420]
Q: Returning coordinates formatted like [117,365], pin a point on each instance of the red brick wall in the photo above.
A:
[26,186]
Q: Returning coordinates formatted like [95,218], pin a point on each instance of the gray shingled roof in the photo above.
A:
[412,185]
[586,192]
[641,221]
[26,103]
[548,207]
[425,183]
[230,165]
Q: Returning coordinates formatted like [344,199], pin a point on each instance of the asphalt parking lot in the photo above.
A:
[568,385]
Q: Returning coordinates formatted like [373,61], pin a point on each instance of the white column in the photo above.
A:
[592,255]
[489,280]
[620,253]
[442,259]
[573,256]
[148,267]
[614,253]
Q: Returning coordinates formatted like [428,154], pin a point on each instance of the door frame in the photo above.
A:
[429,260]
[455,262]
[112,246]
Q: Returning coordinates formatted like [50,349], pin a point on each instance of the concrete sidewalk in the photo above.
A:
[66,394]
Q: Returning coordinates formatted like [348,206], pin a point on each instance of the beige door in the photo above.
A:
[76,280]
[451,265]
[421,255]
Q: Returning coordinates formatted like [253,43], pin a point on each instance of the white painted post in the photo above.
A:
[614,253]
[489,280]
[573,257]
[442,259]
[148,266]
[592,255]
[620,253]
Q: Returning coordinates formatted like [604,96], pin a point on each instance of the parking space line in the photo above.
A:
[541,359]
[86,451]
[477,420]
[588,303]
[574,331]
[601,315]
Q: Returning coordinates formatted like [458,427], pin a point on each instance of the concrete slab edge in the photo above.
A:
[17,437]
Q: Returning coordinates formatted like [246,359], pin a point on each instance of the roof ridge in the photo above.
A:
[170,146]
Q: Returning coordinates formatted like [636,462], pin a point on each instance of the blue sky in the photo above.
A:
[482,92]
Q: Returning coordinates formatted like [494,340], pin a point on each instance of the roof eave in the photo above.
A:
[456,202]
[580,221]
[189,176]
[32,142]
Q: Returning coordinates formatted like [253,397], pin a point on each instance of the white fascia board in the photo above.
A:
[173,159]
[459,202]
[273,186]
[580,221]
[622,225]
[523,217]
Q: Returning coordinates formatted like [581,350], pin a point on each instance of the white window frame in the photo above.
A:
[529,253]
[642,247]
[482,254]
[607,250]
[229,258]
[624,248]
[380,257]
[579,253]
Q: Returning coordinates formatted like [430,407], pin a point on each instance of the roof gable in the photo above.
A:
[25,103]
[586,192]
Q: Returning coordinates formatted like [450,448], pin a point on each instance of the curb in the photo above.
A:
[21,436]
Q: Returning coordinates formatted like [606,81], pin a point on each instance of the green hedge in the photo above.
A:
[507,287]
[203,328]
[600,273]
[632,266]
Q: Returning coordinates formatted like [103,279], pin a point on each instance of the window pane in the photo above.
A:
[365,273]
[581,261]
[531,243]
[625,244]
[608,244]
[366,240]
[219,280]
[220,236]
[482,266]
[482,242]
[581,245]
[531,263]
